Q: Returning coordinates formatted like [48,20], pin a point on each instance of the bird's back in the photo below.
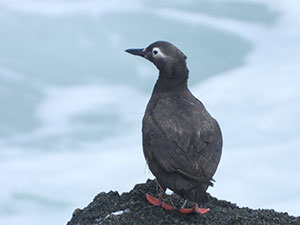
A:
[182,144]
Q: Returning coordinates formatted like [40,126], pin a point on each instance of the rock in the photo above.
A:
[132,208]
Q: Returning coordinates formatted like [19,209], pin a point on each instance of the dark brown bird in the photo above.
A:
[182,143]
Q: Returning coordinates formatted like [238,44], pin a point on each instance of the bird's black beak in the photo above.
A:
[136,51]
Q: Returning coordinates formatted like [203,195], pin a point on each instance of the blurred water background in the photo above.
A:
[72,101]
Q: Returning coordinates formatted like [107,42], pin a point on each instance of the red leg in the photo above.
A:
[158,201]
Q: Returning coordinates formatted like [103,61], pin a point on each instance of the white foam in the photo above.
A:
[10,74]
[62,103]
[60,7]
[244,29]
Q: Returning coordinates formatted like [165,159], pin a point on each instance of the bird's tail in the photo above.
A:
[197,193]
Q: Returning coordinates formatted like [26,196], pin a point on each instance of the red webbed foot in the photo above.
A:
[158,202]
[195,209]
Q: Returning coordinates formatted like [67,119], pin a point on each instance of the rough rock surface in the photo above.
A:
[132,208]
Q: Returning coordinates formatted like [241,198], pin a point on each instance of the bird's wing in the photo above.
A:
[182,137]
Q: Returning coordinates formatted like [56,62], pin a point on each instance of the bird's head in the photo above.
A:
[164,55]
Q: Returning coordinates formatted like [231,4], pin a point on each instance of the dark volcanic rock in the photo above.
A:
[132,208]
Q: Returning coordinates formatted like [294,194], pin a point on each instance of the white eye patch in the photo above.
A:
[156,52]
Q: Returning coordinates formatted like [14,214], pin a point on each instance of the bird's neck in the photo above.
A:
[170,82]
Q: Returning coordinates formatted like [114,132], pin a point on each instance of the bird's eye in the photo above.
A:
[157,53]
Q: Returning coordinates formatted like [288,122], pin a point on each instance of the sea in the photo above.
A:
[72,100]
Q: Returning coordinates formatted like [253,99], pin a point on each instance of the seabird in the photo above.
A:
[182,142]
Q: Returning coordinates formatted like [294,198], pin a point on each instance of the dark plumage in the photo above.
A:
[182,143]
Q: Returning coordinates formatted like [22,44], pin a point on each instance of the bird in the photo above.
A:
[182,142]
